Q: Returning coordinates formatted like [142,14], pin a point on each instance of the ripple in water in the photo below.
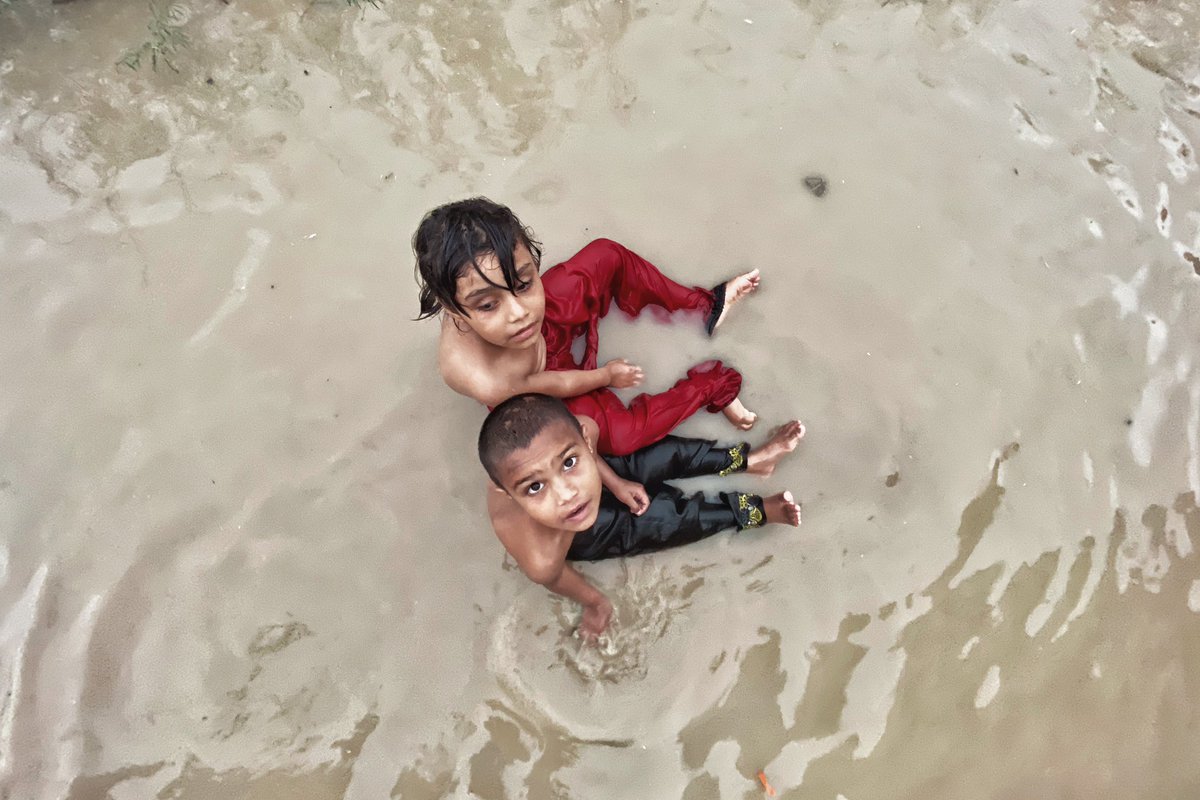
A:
[642,612]
[629,684]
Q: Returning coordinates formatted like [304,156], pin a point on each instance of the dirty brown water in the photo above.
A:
[243,545]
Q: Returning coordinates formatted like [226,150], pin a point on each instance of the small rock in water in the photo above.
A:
[816,184]
[1192,259]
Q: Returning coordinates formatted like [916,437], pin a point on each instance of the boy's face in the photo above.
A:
[554,479]
[501,317]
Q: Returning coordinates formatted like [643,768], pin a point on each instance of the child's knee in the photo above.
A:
[603,249]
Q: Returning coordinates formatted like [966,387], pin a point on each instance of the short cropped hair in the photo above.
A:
[453,237]
[515,423]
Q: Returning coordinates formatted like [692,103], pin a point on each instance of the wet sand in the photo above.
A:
[244,551]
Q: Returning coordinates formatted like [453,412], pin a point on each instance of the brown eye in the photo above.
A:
[534,488]
[570,463]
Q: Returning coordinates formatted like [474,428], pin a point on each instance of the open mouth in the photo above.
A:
[578,514]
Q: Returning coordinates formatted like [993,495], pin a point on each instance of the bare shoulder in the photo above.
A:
[469,379]
[536,555]
[543,568]
[465,368]
[512,526]
[490,378]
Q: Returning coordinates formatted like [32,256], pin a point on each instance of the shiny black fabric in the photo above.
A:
[673,519]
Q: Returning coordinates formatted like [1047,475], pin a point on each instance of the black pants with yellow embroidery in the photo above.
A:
[673,518]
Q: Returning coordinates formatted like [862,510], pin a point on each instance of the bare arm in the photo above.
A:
[609,479]
[597,610]
[558,576]
[567,383]
[618,373]
[569,583]
[492,390]
[631,493]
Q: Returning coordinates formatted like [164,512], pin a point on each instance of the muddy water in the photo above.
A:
[244,552]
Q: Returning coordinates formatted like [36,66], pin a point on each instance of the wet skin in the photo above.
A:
[547,493]
[496,349]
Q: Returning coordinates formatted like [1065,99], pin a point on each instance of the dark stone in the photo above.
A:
[816,184]
[1192,259]
[209,81]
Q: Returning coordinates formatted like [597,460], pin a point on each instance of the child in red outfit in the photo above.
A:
[579,292]
[508,330]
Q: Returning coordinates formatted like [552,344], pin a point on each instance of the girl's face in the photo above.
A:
[500,317]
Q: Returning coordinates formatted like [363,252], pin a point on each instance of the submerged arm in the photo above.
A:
[597,610]
[569,583]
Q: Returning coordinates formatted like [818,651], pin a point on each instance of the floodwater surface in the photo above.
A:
[243,549]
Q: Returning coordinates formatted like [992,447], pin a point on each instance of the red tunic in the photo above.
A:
[579,292]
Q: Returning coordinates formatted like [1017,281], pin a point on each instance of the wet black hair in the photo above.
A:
[515,423]
[454,236]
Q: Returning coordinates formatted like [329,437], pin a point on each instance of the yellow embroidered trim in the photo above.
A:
[737,459]
[756,516]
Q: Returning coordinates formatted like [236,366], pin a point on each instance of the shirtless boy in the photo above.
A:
[506,329]
[548,508]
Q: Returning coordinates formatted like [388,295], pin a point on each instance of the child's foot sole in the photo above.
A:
[783,509]
[729,293]
[785,439]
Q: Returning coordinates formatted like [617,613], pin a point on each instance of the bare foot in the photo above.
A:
[765,458]
[735,289]
[782,508]
[741,417]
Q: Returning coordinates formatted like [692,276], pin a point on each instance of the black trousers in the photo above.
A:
[673,519]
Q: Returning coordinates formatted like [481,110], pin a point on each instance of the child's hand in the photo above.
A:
[622,374]
[595,620]
[633,495]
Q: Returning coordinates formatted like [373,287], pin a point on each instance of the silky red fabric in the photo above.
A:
[579,292]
